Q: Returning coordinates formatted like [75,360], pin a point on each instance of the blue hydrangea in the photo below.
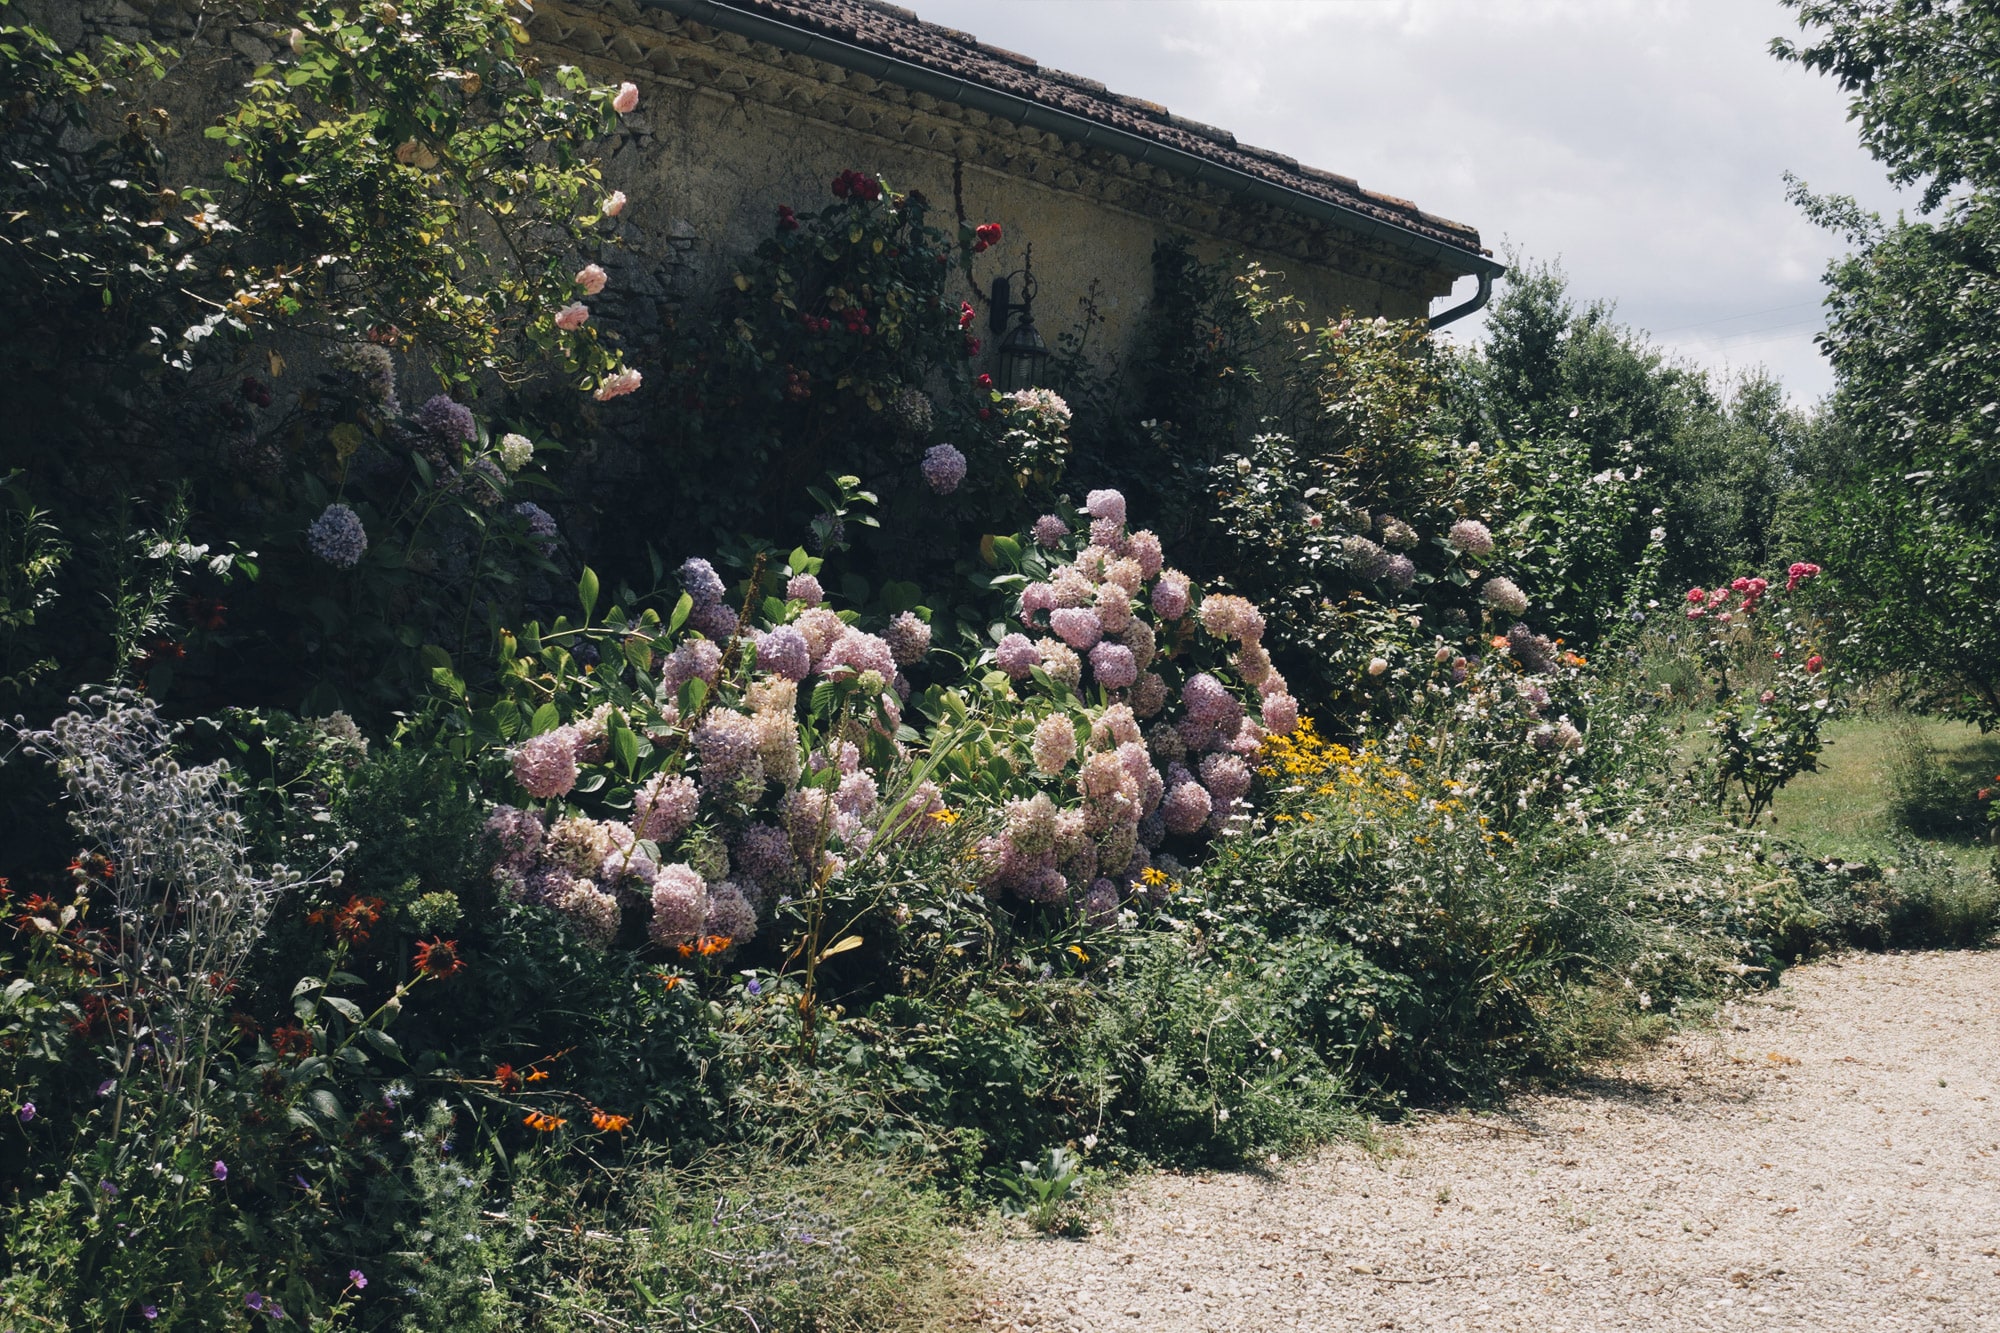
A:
[337,536]
[701,581]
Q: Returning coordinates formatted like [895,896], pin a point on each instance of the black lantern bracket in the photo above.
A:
[1023,353]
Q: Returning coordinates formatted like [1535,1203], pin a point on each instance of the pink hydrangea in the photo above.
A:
[1186,808]
[545,765]
[1113,665]
[1144,547]
[1107,533]
[821,628]
[695,659]
[856,794]
[590,909]
[1504,595]
[1149,695]
[1114,608]
[1472,537]
[728,745]
[1016,656]
[664,807]
[680,904]
[855,652]
[1061,663]
[1226,777]
[1079,627]
[1281,713]
[1228,616]
[517,834]
[804,588]
[1036,598]
[1054,744]
[1049,531]
[1170,595]
[1105,504]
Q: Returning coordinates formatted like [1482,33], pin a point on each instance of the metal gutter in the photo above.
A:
[1080,129]
[1458,312]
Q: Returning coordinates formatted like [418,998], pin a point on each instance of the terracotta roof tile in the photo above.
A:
[896,32]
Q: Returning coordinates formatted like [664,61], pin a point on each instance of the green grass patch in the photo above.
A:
[1861,802]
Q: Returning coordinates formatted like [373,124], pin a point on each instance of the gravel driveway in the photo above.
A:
[1827,1157]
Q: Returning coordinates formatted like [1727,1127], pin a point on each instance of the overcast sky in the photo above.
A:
[1642,143]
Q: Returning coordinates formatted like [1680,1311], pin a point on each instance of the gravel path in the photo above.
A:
[1826,1157]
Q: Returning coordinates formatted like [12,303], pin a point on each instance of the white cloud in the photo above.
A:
[1641,142]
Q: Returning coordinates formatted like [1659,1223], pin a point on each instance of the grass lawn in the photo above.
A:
[1845,809]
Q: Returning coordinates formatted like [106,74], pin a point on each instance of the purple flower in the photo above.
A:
[944,468]
[1017,656]
[751,987]
[337,536]
[804,588]
[1105,504]
[110,1190]
[785,652]
[1186,808]
[450,422]
[541,524]
[1114,665]
[714,620]
[1049,531]
[150,1311]
[545,765]
[220,1170]
[255,1300]
[1079,626]
[358,1278]
[27,1112]
[106,1088]
[663,809]
[909,638]
[1472,537]
[701,581]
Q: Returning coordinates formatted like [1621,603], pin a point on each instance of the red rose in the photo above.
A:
[985,381]
[972,346]
[787,219]
[966,314]
[988,234]
[1813,662]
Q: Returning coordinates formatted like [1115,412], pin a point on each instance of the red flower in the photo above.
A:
[966,314]
[507,1079]
[787,219]
[984,381]
[291,1040]
[972,346]
[439,958]
[989,234]
[1813,663]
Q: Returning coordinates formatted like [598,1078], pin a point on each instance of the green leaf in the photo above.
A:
[547,718]
[347,1009]
[682,610]
[586,592]
[625,744]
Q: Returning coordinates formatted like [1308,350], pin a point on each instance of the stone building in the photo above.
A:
[751,104]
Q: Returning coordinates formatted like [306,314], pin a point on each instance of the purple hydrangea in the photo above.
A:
[763,852]
[1035,598]
[1472,537]
[727,743]
[541,524]
[715,620]
[1149,695]
[1113,665]
[1170,595]
[1281,714]
[337,536]
[1049,531]
[784,652]
[517,833]
[1401,573]
[448,421]
[804,588]
[944,468]
[1100,905]
[1226,777]
[1017,656]
[1504,595]
[1366,558]
[909,638]
[1208,703]
[730,914]
[695,659]
[701,581]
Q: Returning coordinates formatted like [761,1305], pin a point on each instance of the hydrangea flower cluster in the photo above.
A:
[739,816]
[943,468]
[1099,619]
[338,537]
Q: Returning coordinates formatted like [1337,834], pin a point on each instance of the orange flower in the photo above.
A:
[536,1076]
[507,1079]
[686,950]
[713,944]
[670,982]
[610,1124]
[547,1124]
[438,958]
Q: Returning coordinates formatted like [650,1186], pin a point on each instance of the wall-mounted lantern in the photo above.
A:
[1024,357]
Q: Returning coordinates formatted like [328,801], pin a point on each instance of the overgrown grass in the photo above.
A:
[1855,809]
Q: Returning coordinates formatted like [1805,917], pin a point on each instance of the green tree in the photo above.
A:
[1905,511]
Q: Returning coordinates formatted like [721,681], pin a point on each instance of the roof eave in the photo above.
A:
[1426,250]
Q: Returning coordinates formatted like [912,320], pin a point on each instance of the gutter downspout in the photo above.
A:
[1079,129]
[1458,312]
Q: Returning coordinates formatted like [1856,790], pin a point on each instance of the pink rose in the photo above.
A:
[627,99]
[572,317]
[617,386]
[615,204]
[591,278]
